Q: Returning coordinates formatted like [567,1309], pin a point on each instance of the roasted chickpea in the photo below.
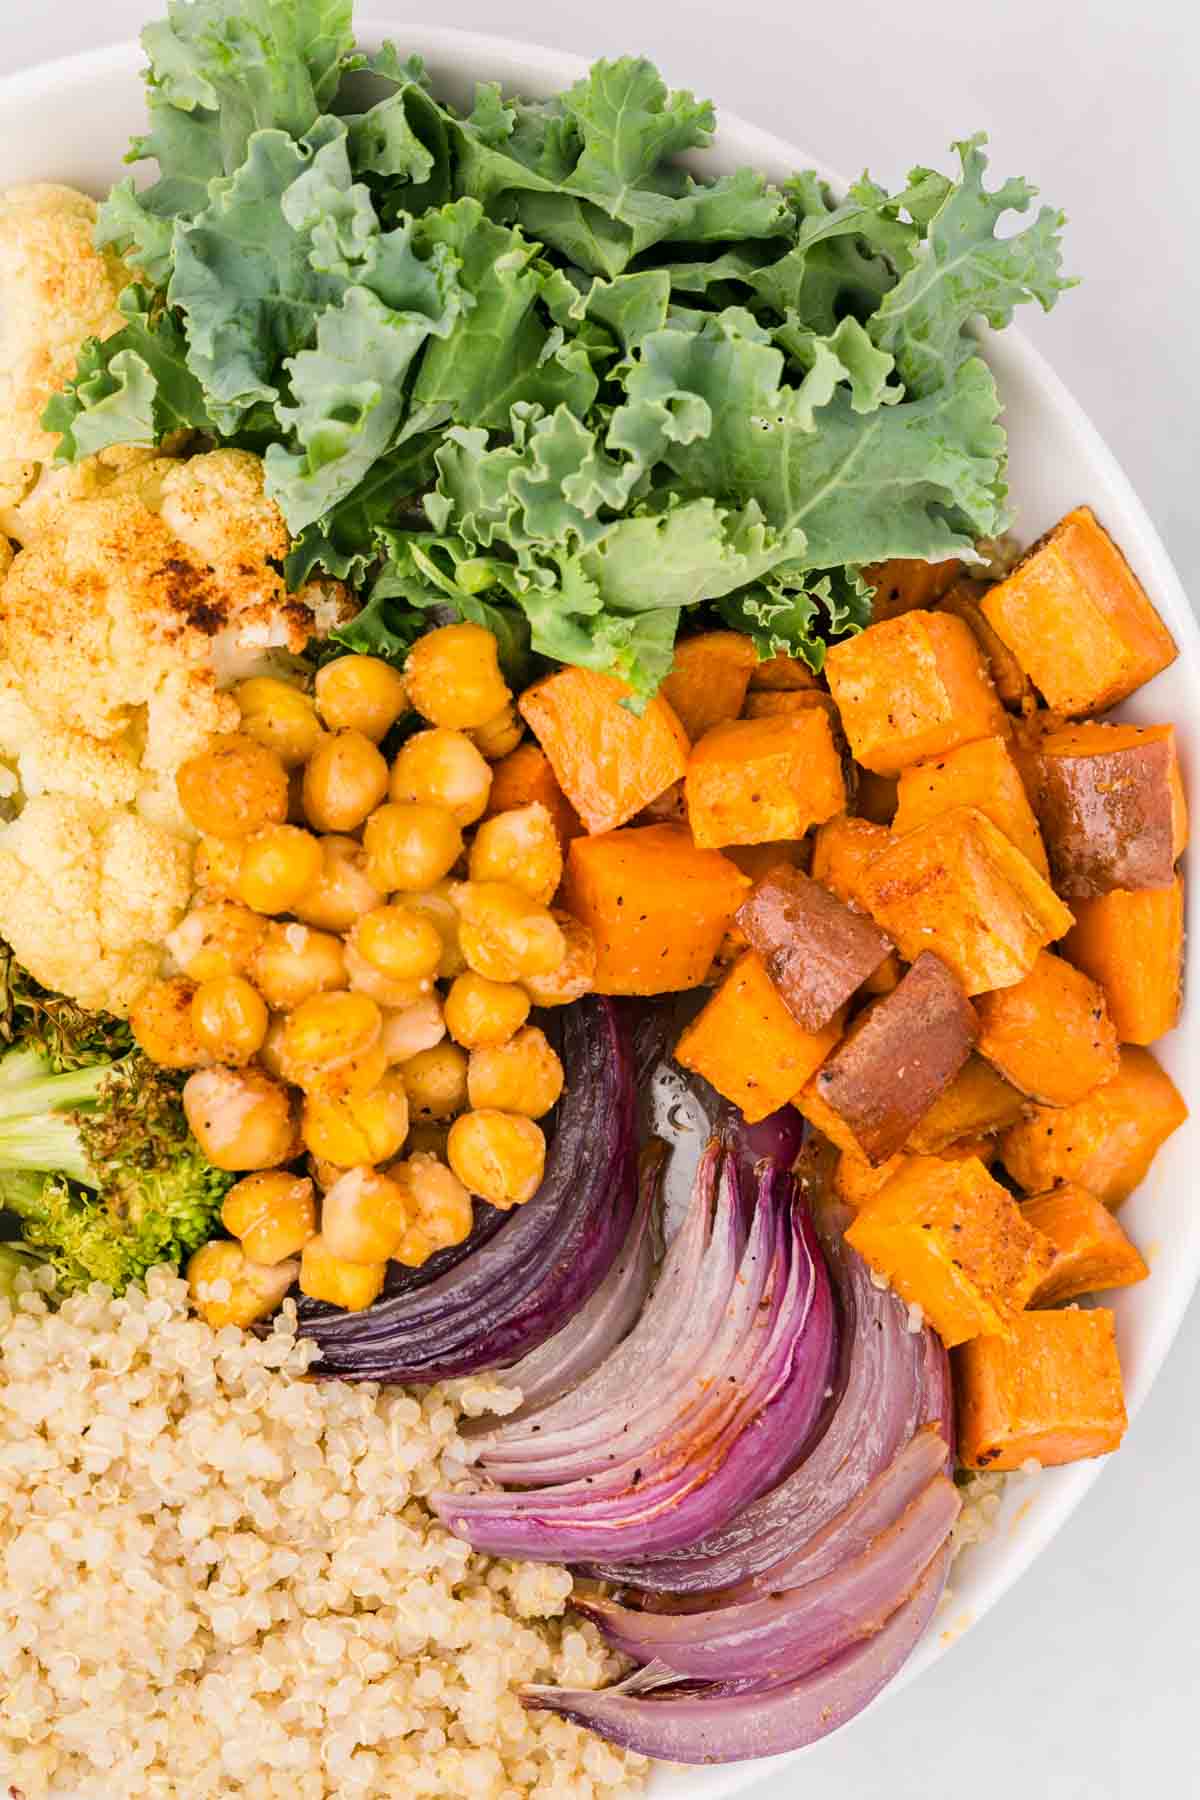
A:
[273,1213]
[279,715]
[357,1075]
[479,1011]
[219,938]
[442,768]
[436,1081]
[240,1118]
[499,1156]
[323,1276]
[439,1208]
[233,789]
[575,974]
[361,693]
[520,847]
[399,941]
[407,1030]
[522,1076]
[227,1288]
[505,934]
[436,905]
[278,866]
[365,978]
[501,735]
[345,779]
[328,1030]
[365,1216]
[271,1054]
[343,891]
[215,867]
[454,677]
[357,1128]
[162,1025]
[410,847]
[294,961]
[229,1018]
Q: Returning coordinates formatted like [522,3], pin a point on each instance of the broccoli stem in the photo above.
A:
[30,1091]
[45,1141]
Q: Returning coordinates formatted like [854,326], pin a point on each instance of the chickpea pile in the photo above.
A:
[355,976]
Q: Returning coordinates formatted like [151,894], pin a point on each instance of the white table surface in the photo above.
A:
[1083,1684]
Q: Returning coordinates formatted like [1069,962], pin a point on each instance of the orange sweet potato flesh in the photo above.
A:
[843,849]
[875,796]
[753,780]
[609,762]
[855,1180]
[1077,619]
[1091,1252]
[817,951]
[977,1102]
[657,907]
[911,688]
[782,673]
[747,1045]
[957,886]
[953,1242]
[767,703]
[905,584]
[1008,677]
[1051,1392]
[756,860]
[1132,944]
[525,775]
[1112,808]
[1105,1142]
[982,774]
[708,679]
[1050,1034]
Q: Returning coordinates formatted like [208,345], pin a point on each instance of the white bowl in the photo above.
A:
[71,121]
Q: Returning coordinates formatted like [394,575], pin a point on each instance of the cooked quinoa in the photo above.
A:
[219,1577]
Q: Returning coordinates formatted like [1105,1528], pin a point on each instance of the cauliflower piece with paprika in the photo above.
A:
[87,894]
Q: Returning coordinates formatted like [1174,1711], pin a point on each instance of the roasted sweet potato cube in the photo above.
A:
[756,860]
[1091,1252]
[830,1124]
[906,583]
[899,1055]
[1078,620]
[752,780]
[816,950]
[983,775]
[748,1046]
[608,761]
[978,1101]
[1132,944]
[1105,1142]
[959,887]
[708,679]
[953,1242]
[525,775]
[1050,1033]
[1050,1393]
[856,1181]
[911,688]
[657,907]
[843,849]
[767,703]
[1008,677]
[782,673]
[1112,809]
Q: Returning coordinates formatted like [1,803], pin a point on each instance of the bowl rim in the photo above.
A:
[533,62]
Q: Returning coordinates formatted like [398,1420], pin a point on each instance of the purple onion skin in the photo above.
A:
[522,1285]
[715,1726]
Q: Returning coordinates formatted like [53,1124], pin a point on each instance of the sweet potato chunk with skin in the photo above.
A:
[1105,1142]
[911,688]
[1111,804]
[1078,620]
[1091,1252]
[1008,677]
[525,775]
[1132,944]
[747,1045]
[755,779]
[977,1101]
[657,907]
[983,775]
[906,583]
[708,679]
[1051,1393]
[959,887]
[898,1056]
[1050,1034]
[816,950]
[953,1242]
[608,762]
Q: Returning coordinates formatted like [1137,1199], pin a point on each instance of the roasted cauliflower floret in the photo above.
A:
[33,499]
[56,289]
[87,894]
